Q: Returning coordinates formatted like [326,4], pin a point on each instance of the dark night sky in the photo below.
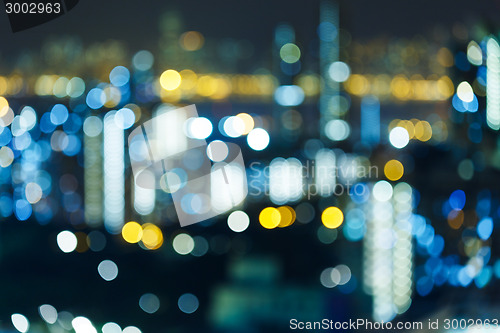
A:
[135,21]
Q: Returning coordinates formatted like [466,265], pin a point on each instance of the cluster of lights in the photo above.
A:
[402,131]
[148,234]
[447,269]
[401,87]
[177,85]
[390,223]
[335,276]
[388,248]
[280,217]
[68,241]
[66,321]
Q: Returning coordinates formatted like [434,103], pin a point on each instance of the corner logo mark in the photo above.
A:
[204,180]
[24,14]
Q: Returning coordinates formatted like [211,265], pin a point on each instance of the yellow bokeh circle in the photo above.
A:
[270,217]
[4,106]
[152,237]
[394,170]
[287,216]
[332,217]
[170,80]
[132,232]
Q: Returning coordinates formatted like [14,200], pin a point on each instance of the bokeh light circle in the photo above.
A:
[258,139]
[332,217]
[399,137]
[67,242]
[238,221]
[393,170]
[188,303]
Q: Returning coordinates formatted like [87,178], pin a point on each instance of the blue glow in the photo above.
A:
[119,76]
[73,124]
[46,125]
[417,224]
[22,210]
[461,61]
[496,269]
[472,106]
[446,208]
[370,120]
[433,265]
[79,108]
[457,199]
[291,69]
[458,104]
[356,218]
[415,196]
[45,150]
[481,75]
[485,228]
[44,180]
[5,175]
[453,276]
[221,125]
[327,32]
[354,233]
[441,275]
[289,95]
[5,136]
[257,178]
[22,141]
[484,277]
[462,106]
[43,212]
[124,118]
[451,260]
[359,193]
[463,277]
[437,246]
[187,203]
[73,147]
[183,178]
[72,202]
[33,153]
[424,285]
[59,114]
[349,287]
[143,60]
[96,98]
[427,236]
[283,34]
[5,206]
[485,253]
[475,133]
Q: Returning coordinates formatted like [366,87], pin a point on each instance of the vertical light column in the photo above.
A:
[493,84]
[325,172]
[378,247]
[370,120]
[144,198]
[92,172]
[168,137]
[388,250]
[382,262]
[403,248]
[114,175]
[285,180]
[328,53]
